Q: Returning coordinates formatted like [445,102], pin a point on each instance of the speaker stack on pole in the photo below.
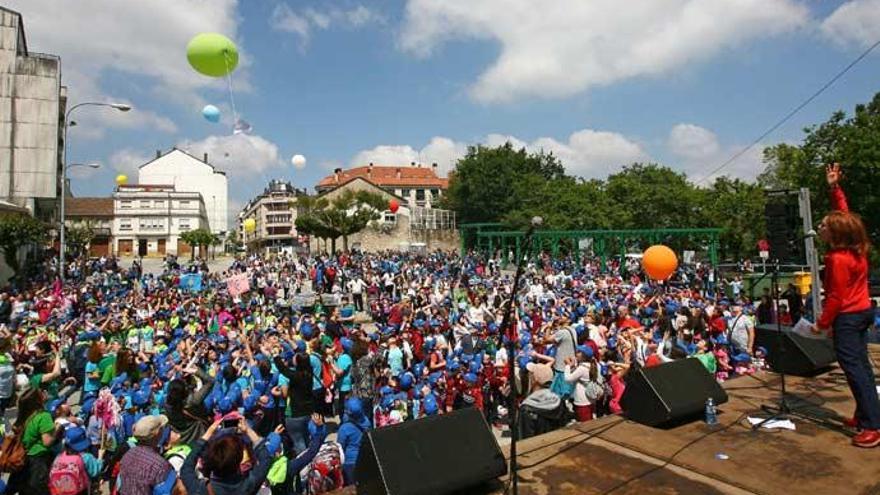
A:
[804,356]
[433,455]
[670,393]
[784,227]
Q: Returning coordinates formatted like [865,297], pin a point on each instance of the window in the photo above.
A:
[159,203]
[151,224]
[390,217]
[183,224]
[405,193]
[145,203]
[124,224]
[420,194]
[435,193]
[184,203]
[125,204]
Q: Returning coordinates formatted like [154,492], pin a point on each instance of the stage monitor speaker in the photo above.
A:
[670,393]
[804,356]
[433,455]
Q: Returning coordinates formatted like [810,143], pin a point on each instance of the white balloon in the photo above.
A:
[298,161]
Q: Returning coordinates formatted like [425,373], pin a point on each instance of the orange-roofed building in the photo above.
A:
[419,185]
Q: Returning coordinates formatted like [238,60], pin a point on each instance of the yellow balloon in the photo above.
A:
[121,179]
[250,225]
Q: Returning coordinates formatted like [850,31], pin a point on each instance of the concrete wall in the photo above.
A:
[188,174]
[30,113]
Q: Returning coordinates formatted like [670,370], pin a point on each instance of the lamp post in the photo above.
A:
[122,107]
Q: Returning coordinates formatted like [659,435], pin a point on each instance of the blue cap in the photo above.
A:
[470,378]
[406,381]
[585,350]
[273,442]
[430,405]
[76,438]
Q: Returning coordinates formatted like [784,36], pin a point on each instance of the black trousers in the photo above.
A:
[851,346]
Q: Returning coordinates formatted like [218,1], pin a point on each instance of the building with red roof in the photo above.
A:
[418,185]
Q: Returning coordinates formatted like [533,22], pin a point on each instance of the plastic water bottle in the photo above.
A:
[711,413]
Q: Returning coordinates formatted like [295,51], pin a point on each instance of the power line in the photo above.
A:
[791,113]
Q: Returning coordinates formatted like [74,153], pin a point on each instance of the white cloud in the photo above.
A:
[692,141]
[854,23]
[700,152]
[146,40]
[560,48]
[239,155]
[586,153]
[127,160]
[302,23]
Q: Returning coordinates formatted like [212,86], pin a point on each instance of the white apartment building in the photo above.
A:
[274,212]
[190,174]
[32,103]
[148,219]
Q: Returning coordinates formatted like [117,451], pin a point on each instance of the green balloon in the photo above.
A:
[212,54]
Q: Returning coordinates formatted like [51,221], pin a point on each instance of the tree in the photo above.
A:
[342,216]
[16,231]
[232,240]
[78,238]
[852,141]
[197,237]
[737,207]
[489,183]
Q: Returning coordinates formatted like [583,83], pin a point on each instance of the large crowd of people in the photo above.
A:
[147,384]
[183,382]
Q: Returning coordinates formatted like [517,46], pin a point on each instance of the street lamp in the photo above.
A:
[122,107]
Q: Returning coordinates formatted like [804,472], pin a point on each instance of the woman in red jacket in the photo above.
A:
[847,308]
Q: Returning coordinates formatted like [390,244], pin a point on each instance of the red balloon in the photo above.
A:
[393,205]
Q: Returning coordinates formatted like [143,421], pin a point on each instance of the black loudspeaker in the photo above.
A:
[433,455]
[804,356]
[670,393]
[784,226]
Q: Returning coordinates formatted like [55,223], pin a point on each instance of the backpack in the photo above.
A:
[324,473]
[68,475]
[13,455]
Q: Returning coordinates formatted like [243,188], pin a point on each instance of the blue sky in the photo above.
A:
[683,82]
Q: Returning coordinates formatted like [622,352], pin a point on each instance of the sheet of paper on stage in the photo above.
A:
[804,328]
[776,423]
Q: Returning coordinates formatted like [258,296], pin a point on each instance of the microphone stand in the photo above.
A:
[782,410]
[511,352]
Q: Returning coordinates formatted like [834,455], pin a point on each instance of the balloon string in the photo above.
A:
[231,96]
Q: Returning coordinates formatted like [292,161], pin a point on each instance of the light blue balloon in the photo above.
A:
[211,113]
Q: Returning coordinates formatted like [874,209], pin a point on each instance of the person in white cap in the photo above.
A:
[142,468]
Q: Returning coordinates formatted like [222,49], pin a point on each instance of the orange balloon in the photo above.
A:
[659,262]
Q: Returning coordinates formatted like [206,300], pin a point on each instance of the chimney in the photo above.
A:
[434,166]
[370,171]
[158,153]
[336,173]
[205,158]
[398,173]
[412,164]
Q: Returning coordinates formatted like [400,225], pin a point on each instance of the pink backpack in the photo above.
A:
[68,475]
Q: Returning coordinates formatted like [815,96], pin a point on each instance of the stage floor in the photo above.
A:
[614,455]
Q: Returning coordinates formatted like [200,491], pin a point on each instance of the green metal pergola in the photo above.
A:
[488,237]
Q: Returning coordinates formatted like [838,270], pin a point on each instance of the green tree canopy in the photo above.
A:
[854,142]
[198,237]
[345,214]
[489,183]
[16,231]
